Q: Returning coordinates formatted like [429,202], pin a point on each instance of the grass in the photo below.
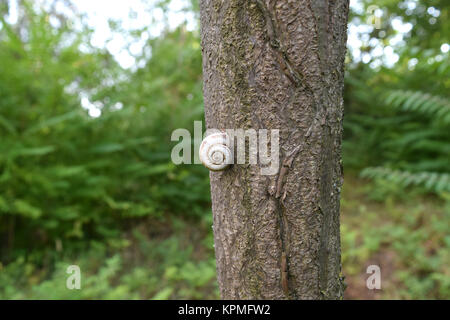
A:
[406,235]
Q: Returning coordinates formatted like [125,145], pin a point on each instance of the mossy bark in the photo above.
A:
[277,64]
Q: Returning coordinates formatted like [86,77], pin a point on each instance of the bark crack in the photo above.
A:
[278,47]
[283,225]
[284,233]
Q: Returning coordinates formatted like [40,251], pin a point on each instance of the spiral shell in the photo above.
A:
[215,153]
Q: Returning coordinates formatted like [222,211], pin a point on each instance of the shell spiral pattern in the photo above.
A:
[215,153]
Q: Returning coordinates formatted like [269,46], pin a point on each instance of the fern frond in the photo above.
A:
[431,181]
[420,102]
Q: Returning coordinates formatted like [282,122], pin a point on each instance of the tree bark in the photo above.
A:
[277,64]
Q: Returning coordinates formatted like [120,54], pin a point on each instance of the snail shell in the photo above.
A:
[215,153]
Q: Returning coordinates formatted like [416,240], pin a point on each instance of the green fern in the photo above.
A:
[431,181]
[419,149]
[420,102]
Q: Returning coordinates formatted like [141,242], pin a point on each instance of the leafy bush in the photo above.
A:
[67,178]
[418,148]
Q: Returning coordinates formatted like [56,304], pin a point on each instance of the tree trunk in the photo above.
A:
[277,65]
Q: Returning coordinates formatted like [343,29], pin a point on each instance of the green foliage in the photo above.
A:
[168,268]
[68,177]
[423,103]
[413,148]
[72,186]
[407,239]
[396,132]
[431,181]
[397,117]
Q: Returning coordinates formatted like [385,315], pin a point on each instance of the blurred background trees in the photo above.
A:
[86,176]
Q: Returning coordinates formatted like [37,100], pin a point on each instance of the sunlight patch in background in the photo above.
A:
[359,37]
[129,15]
[132,15]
